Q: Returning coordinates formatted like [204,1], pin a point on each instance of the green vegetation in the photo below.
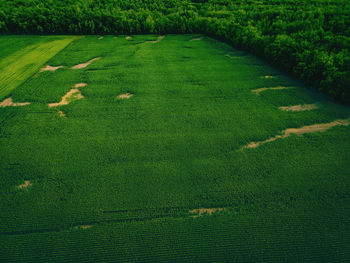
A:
[104,179]
[21,57]
[309,39]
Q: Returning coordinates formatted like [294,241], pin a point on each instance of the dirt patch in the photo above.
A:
[268,77]
[80,85]
[72,95]
[61,113]
[9,103]
[128,37]
[316,127]
[156,41]
[258,91]
[49,68]
[196,39]
[84,227]
[201,211]
[321,127]
[84,65]
[25,185]
[101,38]
[304,107]
[125,96]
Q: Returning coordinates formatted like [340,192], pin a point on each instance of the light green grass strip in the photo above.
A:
[16,68]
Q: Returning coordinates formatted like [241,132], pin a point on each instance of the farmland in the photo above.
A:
[308,39]
[21,57]
[166,148]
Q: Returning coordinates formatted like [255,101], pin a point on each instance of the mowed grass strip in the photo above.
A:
[18,66]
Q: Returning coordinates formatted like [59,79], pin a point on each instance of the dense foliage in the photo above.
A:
[310,39]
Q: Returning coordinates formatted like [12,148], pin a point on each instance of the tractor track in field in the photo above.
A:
[84,224]
[161,209]
[181,213]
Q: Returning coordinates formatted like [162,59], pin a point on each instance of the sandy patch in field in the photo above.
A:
[321,127]
[268,77]
[304,107]
[128,37]
[156,41]
[73,94]
[84,227]
[258,91]
[84,65]
[101,38]
[80,85]
[201,211]
[125,96]
[61,113]
[49,68]
[25,185]
[196,39]
[9,103]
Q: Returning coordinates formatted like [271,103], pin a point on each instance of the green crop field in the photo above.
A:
[22,56]
[169,149]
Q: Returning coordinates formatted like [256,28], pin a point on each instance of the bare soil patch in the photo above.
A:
[268,77]
[125,96]
[321,127]
[201,211]
[80,85]
[61,113]
[84,65]
[50,68]
[25,185]
[84,227]
[72,95]
[156,41]
[258,91]
[304,107]
[9,103]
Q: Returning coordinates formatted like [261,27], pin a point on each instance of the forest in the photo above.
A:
[308,39]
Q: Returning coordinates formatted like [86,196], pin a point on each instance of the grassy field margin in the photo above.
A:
[17,67]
